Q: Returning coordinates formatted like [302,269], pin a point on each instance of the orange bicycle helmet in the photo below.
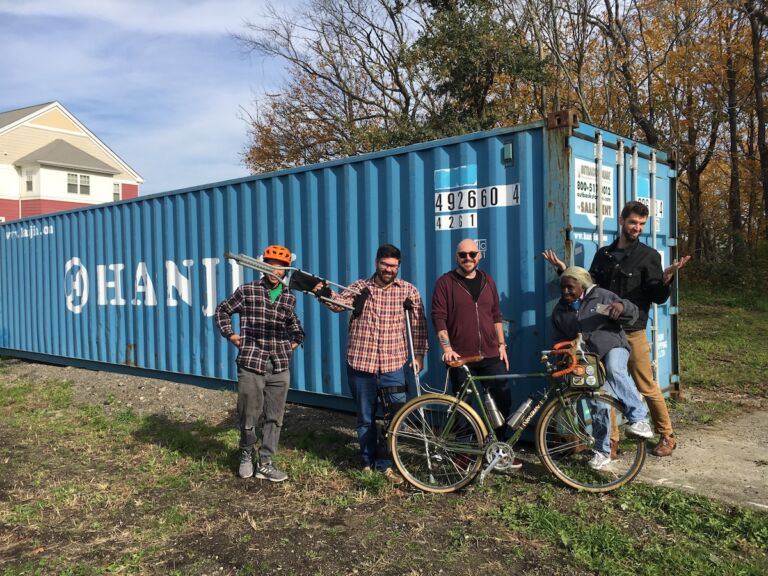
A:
[279,253]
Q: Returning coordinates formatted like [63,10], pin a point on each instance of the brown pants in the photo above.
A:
[640,368]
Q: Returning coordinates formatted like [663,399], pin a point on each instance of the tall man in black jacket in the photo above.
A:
[632,270]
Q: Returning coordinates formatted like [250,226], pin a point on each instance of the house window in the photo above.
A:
[85,184]
[115,192]
[29,183]
[78,183]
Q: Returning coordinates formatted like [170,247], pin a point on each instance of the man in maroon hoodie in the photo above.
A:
[467,318]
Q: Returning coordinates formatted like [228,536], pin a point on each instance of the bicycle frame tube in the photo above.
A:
[469,388]
[553,387]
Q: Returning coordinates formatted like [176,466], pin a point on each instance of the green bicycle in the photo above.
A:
[440,443]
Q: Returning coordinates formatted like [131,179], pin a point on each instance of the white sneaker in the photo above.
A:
[640,430]
[599,461]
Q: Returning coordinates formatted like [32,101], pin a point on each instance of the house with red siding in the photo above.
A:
[49,161]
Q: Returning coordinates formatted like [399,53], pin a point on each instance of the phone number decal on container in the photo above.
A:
[585,190]
[477,198]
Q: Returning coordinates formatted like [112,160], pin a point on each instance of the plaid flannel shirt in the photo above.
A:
[266,328]
[377,338]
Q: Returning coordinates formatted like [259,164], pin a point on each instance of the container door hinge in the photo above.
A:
[565,118]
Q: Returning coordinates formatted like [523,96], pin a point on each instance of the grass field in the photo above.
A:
[87,491]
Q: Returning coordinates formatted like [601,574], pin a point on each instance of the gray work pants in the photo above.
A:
[257,394]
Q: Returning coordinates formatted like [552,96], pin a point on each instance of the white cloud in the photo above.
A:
[161,83]
[152,16]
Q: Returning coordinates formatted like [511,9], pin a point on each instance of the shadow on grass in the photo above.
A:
[218,443]
[195,440]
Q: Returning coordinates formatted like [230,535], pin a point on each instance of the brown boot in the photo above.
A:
[665,446]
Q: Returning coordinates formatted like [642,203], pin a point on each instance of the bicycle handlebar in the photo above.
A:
[569,347]
[567,369]
[459,362]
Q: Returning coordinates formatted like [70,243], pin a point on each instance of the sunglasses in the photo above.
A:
[472,255]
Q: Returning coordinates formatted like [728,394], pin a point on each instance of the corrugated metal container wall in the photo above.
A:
[133,285]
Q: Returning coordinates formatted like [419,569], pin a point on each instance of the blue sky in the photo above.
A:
[161,82]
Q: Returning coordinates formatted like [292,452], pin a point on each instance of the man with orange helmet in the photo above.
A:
[269,333]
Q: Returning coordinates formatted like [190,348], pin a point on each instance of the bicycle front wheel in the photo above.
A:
[437,443]
[576,425]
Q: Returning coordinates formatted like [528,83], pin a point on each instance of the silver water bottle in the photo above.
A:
[494,416]
[514,420]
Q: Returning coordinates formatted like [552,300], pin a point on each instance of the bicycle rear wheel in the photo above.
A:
[436,444]
[572,426]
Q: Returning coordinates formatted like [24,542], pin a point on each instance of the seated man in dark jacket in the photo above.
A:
[597,314]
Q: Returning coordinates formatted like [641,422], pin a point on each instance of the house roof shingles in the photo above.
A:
[61,154]
[11,116]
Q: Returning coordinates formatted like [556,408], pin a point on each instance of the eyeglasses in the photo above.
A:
[387,266]
[472,255]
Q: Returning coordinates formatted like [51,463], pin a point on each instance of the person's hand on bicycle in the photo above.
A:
[418,362]
[450,355]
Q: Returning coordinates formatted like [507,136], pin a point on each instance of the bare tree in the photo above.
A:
[353,85]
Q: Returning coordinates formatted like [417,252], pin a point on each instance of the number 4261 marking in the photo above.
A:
[456,221]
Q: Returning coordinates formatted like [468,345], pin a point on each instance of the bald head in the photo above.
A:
[467,245]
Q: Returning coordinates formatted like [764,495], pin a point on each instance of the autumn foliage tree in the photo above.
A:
[686,76]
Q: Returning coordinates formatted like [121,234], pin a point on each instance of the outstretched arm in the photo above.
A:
[551,257]
[676,265]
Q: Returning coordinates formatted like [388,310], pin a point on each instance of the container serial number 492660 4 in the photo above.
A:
[471,199]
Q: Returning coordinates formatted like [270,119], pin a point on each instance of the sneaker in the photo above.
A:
[599,461]
[640,430]
[246,463]
[393,476]
[269,472]
[665,446]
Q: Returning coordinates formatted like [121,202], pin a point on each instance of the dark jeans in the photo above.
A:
[365,387]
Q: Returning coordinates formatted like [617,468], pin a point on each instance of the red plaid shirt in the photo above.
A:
[266,328]
[377,338]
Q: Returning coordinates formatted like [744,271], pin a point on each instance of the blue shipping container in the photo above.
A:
[132,286]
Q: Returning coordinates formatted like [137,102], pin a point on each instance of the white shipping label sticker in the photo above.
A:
[476,198]
[585,190]
[456,221]
[659,206]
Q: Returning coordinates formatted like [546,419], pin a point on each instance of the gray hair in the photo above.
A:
[581,275]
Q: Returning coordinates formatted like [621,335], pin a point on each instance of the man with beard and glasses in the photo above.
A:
[467,317]
[377,349]
[632,270]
